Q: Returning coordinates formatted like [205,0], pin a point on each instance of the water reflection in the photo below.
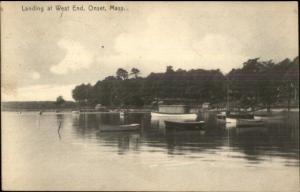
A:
[125,141]
[277,138]
[72,148]
[60,121]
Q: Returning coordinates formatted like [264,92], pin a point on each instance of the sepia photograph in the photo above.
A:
[150,96]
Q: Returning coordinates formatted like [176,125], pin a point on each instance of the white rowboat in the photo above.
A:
[175,115]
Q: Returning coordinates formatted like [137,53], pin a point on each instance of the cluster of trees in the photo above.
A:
[121,90]
[264,83]
[256,84]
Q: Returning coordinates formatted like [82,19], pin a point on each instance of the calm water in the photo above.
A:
[38,155]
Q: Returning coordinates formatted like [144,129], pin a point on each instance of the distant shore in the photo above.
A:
[58,110]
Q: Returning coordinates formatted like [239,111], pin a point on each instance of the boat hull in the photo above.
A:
[269,118]
[197,125]
[231,120]
[184,115]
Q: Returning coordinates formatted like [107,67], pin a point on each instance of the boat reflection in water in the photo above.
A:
[278,140]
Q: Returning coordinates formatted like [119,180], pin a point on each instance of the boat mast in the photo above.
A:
[227,95]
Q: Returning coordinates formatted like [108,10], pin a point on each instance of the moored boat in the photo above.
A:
[75,112]
[127,127]
[268,117]
[173,112]
[232,117]
[176,115]
[188,125]
[221,117]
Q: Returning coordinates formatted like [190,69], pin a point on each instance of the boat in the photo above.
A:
[175,115]
[268,117]
[75,112]
[187,125]
[221,117]
[173,111]
[250,123]
[233,117]
[126,127]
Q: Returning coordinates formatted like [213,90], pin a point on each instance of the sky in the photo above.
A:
[46,54]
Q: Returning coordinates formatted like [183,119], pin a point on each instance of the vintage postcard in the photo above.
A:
[149,96]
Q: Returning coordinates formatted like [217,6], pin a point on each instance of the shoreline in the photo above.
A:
[294,109]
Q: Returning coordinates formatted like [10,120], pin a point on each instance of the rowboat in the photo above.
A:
[198,125]
[127,127]
[250,123]
[175,115]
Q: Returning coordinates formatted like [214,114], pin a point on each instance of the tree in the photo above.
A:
[135,72]
[289,88]
[244,84]
[82,92]
[60,101]
[267,86]
[169,69]
[122,74]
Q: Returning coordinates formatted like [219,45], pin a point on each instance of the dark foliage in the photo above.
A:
[256,84]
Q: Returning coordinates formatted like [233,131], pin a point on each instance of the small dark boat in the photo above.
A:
[187,125]
[240,116]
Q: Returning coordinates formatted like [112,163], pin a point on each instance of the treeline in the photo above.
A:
[37,105]
[256,84]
